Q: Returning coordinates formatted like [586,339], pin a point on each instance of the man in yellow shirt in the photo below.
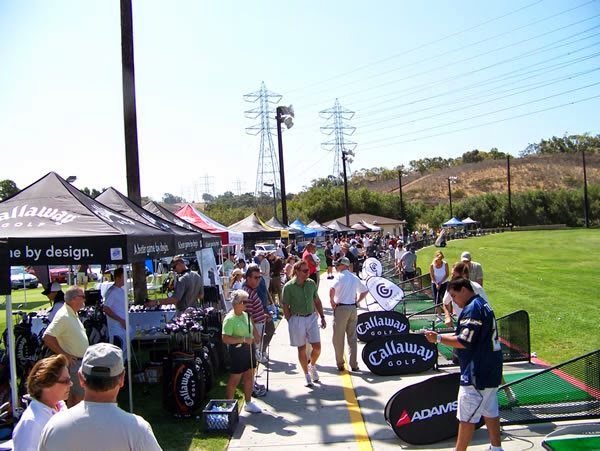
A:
[66,335]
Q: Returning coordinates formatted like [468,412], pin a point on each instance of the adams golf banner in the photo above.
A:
[425,413]
[372,325]
[399,354]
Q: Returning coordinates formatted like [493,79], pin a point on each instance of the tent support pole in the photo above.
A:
[128,341]
[10,348]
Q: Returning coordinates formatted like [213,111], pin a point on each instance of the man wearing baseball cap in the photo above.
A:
[97,423]
[189,287]
[54,292]
[475,269]
[344,295]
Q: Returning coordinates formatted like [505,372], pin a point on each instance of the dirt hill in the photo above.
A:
[547,172]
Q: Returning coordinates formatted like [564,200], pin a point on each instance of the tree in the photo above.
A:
[93,193]
[169,198]
[7,189]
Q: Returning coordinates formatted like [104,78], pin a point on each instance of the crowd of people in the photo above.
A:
[77,386]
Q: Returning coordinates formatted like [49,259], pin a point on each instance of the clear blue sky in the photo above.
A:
[410,70]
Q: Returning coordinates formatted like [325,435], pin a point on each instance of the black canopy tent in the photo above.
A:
[208,239]
[51,222]
[295,234]
[185,240]
[254,229]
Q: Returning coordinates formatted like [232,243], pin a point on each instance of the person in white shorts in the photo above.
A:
[300,302]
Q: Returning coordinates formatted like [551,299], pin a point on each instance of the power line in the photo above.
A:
[536,86]
[419,62]
[414,49]
[485,123]
[513,76]
[542,49]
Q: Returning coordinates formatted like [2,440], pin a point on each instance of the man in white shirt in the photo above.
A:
[115,311]
[344,295]
[97,423]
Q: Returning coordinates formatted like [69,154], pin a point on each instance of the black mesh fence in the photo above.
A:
[513,331]
[567,391]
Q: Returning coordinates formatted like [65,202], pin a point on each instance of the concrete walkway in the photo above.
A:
[343,410]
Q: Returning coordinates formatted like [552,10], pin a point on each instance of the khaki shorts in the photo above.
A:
[473,404]
[82,278]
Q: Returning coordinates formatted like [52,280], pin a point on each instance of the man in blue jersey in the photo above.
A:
[480,359]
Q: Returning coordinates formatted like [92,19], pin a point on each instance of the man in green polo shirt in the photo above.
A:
[300,302]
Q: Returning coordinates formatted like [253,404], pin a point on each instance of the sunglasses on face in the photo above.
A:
[65,381]
[305,270]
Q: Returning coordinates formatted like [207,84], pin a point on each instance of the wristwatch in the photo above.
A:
[438,338]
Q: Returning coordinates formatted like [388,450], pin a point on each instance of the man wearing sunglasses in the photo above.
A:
[66,335]
[300,303]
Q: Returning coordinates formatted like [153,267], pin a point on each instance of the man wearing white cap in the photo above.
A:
[475,269]
[344,295]
[97,423]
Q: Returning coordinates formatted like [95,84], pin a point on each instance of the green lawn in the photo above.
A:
[550,274]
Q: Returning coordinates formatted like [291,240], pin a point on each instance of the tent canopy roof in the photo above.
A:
[196,217]
[185,240]
[339,227]
[208,239]
[308,232]
[454,222]
[51,222]
[253,227]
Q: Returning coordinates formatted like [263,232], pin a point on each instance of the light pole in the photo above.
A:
[451,180]
[283,114]
[510,220]
[346,157]
[272,186]
[400,189]
[586,204]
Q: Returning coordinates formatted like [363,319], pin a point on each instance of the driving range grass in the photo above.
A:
[552,274]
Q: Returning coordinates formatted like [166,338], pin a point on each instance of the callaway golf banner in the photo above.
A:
[383,294]
[372,325]
[425,413]
[399,354]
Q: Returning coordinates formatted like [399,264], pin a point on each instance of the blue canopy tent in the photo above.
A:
[454,222]
[308,232]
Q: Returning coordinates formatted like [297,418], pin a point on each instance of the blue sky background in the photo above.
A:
[410,70]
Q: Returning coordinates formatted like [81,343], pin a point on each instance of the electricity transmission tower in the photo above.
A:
[268,164]
[338,143]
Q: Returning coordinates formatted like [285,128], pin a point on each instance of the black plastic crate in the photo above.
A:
[220,415]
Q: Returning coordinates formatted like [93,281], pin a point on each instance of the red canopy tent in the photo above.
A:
[192,215]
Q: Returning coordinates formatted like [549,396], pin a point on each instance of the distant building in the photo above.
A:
[388,225]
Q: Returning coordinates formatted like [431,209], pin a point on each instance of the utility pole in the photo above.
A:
[586,204]
[509,216]
[400,190]
[132,162]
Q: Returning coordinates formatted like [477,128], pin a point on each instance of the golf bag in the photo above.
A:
[183,387]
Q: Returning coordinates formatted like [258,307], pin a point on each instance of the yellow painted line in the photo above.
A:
[356,418]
